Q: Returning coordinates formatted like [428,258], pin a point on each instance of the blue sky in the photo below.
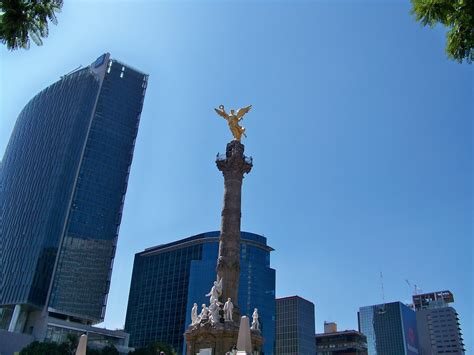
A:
[361,133]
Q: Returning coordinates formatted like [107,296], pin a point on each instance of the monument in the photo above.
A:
[215,330]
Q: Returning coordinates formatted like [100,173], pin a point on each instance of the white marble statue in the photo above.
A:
[214,310]
[215,291]
[255,322]
[204,313]
[194,314]
[228,310]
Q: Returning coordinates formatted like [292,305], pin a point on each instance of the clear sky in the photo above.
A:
[361,133]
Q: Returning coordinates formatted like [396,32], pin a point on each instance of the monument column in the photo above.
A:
[233,166]
[215,330]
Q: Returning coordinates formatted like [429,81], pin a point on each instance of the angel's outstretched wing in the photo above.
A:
[243,111]
[221,112]
[219,285]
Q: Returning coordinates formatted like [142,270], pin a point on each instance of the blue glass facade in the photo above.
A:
[295,329]
[390,329]
[64,177]
[410,333]
[168,279]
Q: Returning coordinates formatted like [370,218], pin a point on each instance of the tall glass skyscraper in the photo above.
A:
[168,279]
[390,329]
[63,181]
[295,326]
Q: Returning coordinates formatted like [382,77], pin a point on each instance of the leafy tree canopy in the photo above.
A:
[458,16]
[109,350]
[37,348]
[66,348]
[21,20]
[154,349]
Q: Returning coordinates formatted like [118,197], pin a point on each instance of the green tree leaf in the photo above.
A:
[458,16]
[25,20]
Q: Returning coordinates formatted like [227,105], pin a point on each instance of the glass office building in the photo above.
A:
[390,329]
[168,279]
[295,329]
[64,177]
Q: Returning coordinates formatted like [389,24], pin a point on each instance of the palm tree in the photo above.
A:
[22,20]
[457,16]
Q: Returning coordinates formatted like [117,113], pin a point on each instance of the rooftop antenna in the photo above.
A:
[72,71]
[382,309]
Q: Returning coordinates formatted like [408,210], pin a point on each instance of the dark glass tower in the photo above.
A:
[390,328]
[295,328]
[64,178]
[168,278]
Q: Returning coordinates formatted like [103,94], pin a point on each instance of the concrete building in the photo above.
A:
[169,278]
[438,324]
[333,342]
[390,328]
[295,326]
[64,178]
[330,327]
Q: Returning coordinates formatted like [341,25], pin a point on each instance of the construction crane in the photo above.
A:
[414,287]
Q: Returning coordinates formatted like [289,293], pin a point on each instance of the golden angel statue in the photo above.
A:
[233,120]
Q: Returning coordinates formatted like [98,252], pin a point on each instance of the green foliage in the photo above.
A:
[70,345]
[21,20]
[458,16]
[154,349]
[66,348]
[37,348]
[109,350]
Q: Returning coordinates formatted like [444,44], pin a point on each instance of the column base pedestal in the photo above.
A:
[220,337]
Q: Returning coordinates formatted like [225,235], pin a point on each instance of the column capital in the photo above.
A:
[234,162]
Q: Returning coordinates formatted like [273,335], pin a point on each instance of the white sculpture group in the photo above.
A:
[255,322]
[212,313]
[228,310]
[195,319]
[215,291]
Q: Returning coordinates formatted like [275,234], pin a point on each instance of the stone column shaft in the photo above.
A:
[233,168]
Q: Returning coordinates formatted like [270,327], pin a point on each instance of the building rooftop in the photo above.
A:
[256,239]
[292,297]
[423,300]
[342,332]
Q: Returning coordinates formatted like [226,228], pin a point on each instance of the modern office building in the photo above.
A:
[169,278]
[333,342]
[390,329]
[64,177]
[438,324]
[295,327]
